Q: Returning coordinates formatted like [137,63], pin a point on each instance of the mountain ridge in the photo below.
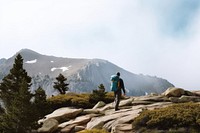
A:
[83,75]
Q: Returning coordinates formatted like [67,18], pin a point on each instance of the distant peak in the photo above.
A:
[27,51]
[28,54]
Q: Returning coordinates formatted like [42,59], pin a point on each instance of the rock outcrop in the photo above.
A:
[49,126]
[68,120]
[177,92]
[62,114]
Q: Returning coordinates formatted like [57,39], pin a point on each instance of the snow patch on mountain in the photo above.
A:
[61,68]
[52,61]
[31,61]
[78,76]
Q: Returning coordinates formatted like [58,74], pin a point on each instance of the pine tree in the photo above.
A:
[60,85]
[10,83]
[40,103]
[14,92]
[98,95]
[101,88]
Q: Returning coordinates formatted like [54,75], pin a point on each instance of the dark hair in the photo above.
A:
[118,74]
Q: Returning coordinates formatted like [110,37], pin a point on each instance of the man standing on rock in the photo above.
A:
[117,85]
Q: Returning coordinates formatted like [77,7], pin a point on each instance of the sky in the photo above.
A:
[151,37]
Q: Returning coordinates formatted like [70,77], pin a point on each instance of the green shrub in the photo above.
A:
[59,101]
[96,96]
[70,100]
[77,100]
[80,102]
[175,116]
[109,97]
[94,131]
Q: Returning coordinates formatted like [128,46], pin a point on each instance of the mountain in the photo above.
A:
[83,75]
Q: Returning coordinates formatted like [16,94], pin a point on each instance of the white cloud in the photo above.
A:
[131,34]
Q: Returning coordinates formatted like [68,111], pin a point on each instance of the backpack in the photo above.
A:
[114,82]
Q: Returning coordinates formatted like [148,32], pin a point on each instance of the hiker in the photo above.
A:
[117,85]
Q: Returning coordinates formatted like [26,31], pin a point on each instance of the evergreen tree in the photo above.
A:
[40,103]
[98,95]
[10,83]
[14,92]
[101,88]
[60,85]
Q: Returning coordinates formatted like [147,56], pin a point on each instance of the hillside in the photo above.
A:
[175,110]
[83,75]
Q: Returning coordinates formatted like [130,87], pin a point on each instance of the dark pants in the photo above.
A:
[117,95]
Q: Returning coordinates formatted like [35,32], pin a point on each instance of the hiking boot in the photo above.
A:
[117,109]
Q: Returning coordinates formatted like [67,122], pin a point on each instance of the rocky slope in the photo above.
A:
[84,75]
[69,120]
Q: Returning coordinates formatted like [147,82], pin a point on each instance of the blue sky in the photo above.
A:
[175,16]
[153,37]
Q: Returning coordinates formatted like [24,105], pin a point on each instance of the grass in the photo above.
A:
[182,115]
[77,100]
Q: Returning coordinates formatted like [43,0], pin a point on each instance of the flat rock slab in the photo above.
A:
[122,120]
[68,129]
[63,114]
[100,121]
[90,111]
[126,102]
[81,120]
[152,98]
[99,104]
[123,128]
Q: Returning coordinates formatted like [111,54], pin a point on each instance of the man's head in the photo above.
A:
[118,74]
